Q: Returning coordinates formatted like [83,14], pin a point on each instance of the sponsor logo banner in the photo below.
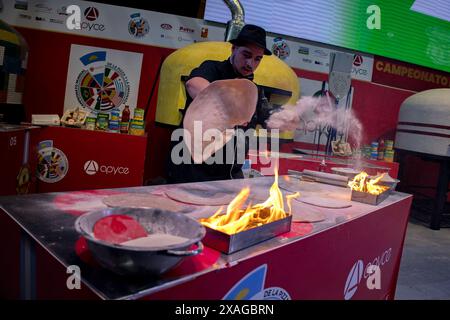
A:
[118,23]
[317,58]
[112,22]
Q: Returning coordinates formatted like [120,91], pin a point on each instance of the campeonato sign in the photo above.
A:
[406,76]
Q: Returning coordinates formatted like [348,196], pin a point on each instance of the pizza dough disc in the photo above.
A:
[324,202]
[304,213]
[222,105]
[293,184]
[142,200]
[201,197]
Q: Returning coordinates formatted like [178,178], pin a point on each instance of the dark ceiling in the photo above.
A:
[187,8]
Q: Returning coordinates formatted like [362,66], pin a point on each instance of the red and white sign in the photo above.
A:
[404,75]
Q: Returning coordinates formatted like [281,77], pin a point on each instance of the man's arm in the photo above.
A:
[195,85]
[264,110]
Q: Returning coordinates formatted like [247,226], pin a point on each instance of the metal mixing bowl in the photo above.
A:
[126,260]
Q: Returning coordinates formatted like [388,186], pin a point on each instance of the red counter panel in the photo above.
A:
[84,159]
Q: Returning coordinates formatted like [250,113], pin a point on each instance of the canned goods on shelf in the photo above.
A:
[137,127]
[102,115]
[374,146]
[90,123]
[114,126]
[138,114]
[389,155]
[101,124]
[389,144]
[115,114]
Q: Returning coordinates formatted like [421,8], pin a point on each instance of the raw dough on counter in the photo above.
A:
[294,184]
[200,196]
[305,213]
[325,202]
[143,200]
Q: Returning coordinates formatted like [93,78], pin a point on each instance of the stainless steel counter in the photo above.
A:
[49,220]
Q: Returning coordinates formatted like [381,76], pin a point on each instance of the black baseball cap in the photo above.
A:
[252,34]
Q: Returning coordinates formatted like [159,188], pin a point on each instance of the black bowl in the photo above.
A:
[128,260]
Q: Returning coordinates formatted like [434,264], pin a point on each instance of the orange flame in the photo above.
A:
[363,183]
[236,220]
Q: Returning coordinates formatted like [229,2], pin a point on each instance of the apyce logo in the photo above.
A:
[91,167]
[353,279]
[91,13]
[357,60]
[371,272]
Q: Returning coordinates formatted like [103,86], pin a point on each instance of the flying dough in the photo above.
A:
[222,105]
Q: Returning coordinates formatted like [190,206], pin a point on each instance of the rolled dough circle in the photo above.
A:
[325,202]
[201,197]
[140,200]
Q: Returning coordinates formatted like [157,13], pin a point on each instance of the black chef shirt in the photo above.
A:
[180,173]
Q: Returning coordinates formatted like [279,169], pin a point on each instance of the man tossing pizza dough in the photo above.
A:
[221,99]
